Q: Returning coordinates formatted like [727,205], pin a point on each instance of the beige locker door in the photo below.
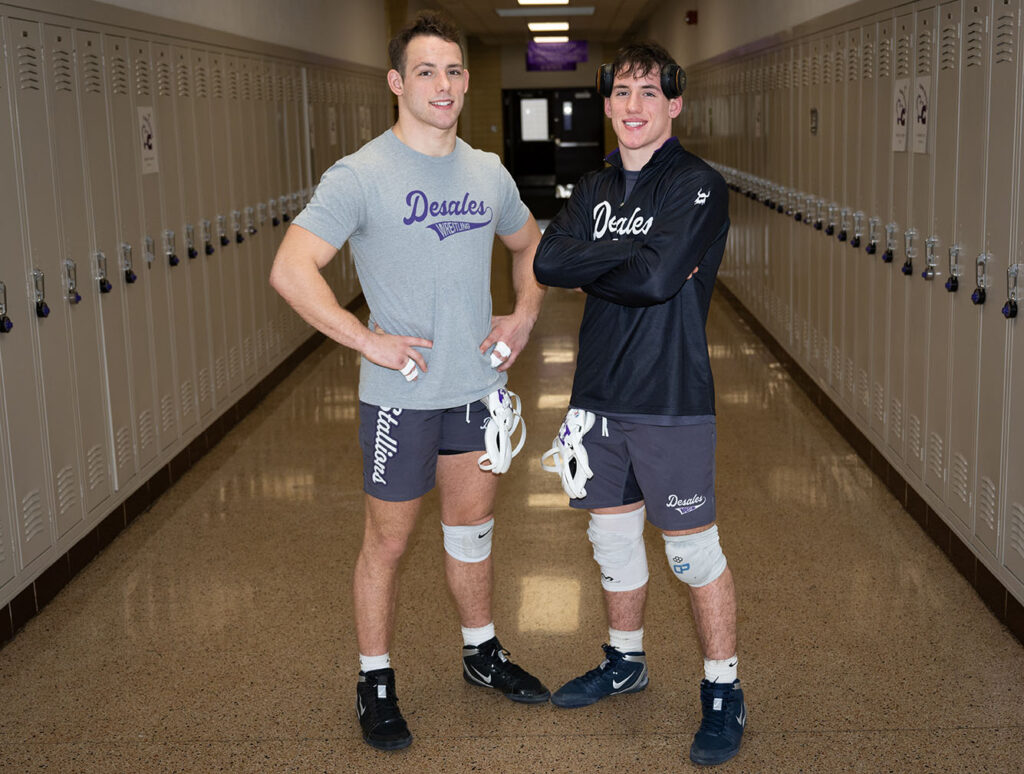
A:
[106,280]
[130,261]
[965,345]
[944,293]
[279,310]
[805,179]
[852,256]
[172,245]
[832,290]
[42,273]
[866,262]
[786,170]
[20,376]
[72,269]
[921,154]
[1004,102]
[191,279]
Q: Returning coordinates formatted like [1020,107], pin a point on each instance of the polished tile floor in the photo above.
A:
[215,634]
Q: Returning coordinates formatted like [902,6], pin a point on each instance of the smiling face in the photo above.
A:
[433,87]
[641,115]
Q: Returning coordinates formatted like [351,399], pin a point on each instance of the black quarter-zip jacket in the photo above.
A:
[642,342]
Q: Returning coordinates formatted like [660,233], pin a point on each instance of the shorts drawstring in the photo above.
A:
[467,413]
[604,427]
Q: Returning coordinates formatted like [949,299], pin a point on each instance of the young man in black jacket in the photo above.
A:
[643,238]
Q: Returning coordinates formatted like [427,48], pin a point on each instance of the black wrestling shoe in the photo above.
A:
[377,707]
[487,665]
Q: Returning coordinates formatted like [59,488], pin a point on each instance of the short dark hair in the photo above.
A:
[426,23]
[639,59]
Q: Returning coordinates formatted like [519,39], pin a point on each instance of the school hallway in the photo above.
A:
[215,633]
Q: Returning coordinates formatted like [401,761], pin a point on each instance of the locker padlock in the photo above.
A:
[1010,307]
[42,310]
[190,241]
[126,263]
[71,276]
[953,283]
[909,251]
[873,225]
[890,242]
[101,272]
[858,228]
[5,321]
[169,249]
[930,264]
[844,224]
[830,229]
[250,220]
[981,275]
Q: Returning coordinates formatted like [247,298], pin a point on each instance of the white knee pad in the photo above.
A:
[468,544]
[696,559]
[618,541]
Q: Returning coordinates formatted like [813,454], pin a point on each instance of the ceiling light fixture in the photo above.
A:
[550,38]
[543,2]
[548,26]
[535,11]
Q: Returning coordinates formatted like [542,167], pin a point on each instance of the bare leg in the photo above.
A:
[375,581]
[467,499]
[625,609]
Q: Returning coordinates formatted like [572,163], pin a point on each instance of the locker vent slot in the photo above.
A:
[865,389]
[97,462]
[975,33]
[233,363]
[248,87]
[885,59]
[959,471]
[146,429]
[987,503]
[62,73]
[1016,530]
[852,64]
[247,351]
[851,381]
[261,343]
[67,496]
[124,446]
[879,403]
[221,374]
[914,437]
[119,75]
[837,367]
[167,413]
[202,85]
[896,419]
[826,68]
[183,81]
[28,68]
[187,396]
[217,78]
[1005,43]
[812,70]
[142,85]
[233,84]
[924,53]
[279,88]
[936,455]
[950,46]
[903,57]
[92,77]
[32,515]
[204,385]
[867,61]
[837,70]
[163,78]
[3,546]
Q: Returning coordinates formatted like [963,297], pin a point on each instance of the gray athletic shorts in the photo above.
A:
[400,446]
[672,469]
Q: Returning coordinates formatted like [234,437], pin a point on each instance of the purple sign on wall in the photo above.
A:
[555,56]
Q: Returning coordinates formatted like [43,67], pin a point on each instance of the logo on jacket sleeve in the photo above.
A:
[702,196]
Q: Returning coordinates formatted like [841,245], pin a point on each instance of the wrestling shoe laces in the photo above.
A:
[487,665]
[377,708]
[506,415]
[721,728]
[568,456]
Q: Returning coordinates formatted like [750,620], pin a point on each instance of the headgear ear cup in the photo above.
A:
[673,80]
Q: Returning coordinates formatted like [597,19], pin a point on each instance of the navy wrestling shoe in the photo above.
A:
[487,665]
[618,673]
[377,707]
[721,730]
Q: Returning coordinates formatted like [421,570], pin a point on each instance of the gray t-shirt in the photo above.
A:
[421,230]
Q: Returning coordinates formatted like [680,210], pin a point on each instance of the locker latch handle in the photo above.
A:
[830,229]
[858,228]
[809,208]
[297,204]
[190,241]
[873,227]
[286,215]
[890,242]
[169,250]
[261,213]
[1012,291]
[909,251]
[275,221]
[953,283]
[208,247]
[5,321]
[930,263]
[126,263]
[844,224]
[819,214]
[42,310]
[101,272]
[250,220]
[981,274]
[236,226]
[222,231]
[149,246]
[71,277]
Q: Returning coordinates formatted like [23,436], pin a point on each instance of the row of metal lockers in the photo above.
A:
[878,233]
[147,182]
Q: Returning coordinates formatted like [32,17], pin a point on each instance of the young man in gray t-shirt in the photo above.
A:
[420,209]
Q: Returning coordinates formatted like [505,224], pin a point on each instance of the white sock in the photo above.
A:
[367,663]
[626,642]
[478,635]
[720,671]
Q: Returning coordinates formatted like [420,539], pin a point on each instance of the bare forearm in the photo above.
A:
[529,292]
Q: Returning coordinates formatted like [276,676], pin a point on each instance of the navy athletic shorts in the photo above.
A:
[400,446]
[672,469]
